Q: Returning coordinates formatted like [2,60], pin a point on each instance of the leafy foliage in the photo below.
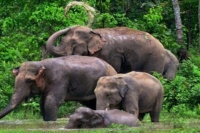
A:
[183,93]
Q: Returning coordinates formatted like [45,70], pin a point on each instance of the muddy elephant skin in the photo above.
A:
[135,92]
[123,48]
[70,78]
[87,118]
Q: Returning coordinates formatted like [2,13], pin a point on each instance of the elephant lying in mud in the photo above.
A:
[87,118]
[123,48]
[70,78]
[135,92]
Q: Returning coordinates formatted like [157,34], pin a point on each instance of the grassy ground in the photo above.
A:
[169,123]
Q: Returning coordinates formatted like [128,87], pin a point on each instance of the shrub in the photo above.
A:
[183,91]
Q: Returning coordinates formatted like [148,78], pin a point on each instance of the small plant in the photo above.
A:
[67,108]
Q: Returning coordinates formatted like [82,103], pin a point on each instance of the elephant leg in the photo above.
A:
[155,113]
[42,106]
[130,104]
[141,116]
[50,108]
[52,102]
[154,116]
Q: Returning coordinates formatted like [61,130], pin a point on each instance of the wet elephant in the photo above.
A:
[70,78]
[171,65]
[135,92]
[87,118]
[123,48]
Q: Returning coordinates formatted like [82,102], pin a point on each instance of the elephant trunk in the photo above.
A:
[57,50]
[101,106]
[7,110]
[16,99]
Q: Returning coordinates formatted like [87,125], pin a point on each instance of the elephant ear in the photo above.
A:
[122,86]
[39,79]
[15,71]
[97,121]
[96,42]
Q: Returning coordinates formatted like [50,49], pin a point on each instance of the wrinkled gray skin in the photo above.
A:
[123,48]
[171,65]
[70,78]
[135,92]
[87,118]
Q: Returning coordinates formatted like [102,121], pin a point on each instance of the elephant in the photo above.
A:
[137,93]
[84,117]
[55,80]
[171,65]
[183,54]
[123,48]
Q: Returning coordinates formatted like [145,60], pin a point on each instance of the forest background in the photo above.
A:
[25,26]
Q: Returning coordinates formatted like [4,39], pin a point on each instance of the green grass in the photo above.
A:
[169,123]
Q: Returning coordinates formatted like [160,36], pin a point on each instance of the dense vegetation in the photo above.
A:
[26,25]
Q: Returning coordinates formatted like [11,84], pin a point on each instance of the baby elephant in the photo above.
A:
[135,92]
[87,118]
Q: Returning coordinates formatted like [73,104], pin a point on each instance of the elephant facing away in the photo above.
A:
[171,65]
[70,78]
[84,117]
[135,92]
[123,48]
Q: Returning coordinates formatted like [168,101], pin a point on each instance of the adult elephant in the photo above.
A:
[171,65]
[70,78]
[135,92]
[123,48]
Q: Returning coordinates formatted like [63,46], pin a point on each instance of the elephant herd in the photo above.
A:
[107,70]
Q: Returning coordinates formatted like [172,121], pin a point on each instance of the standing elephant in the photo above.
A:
[135,92]
[70,78]
[87,118]
[123,48]
[171,65]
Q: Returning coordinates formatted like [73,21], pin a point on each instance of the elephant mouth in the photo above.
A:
[113,107]
[27,99]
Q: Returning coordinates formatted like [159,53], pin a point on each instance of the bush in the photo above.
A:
[183,92]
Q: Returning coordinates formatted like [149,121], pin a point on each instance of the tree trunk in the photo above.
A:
[199,22]
[178,23]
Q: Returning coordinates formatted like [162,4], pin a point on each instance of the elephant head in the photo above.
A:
[28,80]
[85,118]
[110,91]
[171,65]
[77,40]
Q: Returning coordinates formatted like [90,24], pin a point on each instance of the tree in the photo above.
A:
[178,23]
[199,22]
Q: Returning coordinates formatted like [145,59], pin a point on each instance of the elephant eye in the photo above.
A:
[108,94]
[29,81]
[73,43]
